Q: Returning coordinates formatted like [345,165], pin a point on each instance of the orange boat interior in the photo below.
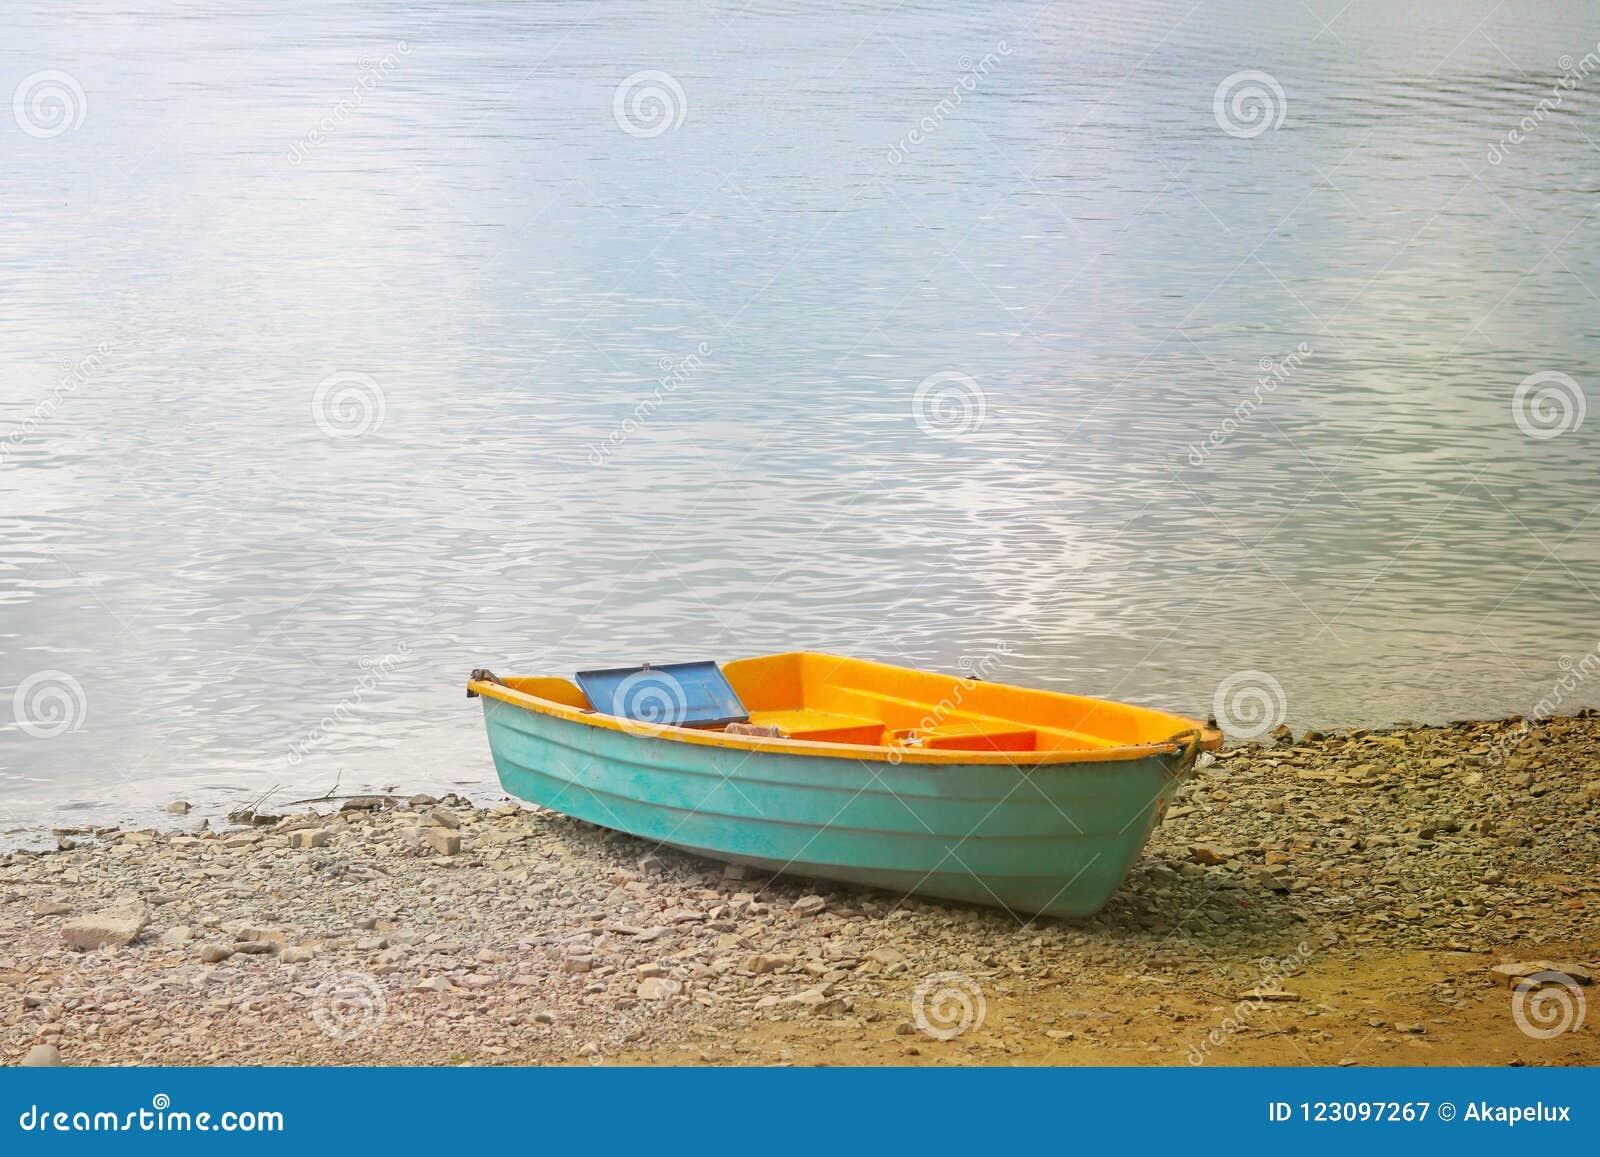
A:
[819,698]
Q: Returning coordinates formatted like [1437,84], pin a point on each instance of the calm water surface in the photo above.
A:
[348,348]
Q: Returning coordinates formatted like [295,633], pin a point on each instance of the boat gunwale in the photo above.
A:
[1210,738]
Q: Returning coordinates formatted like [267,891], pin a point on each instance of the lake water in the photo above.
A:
[1152,349]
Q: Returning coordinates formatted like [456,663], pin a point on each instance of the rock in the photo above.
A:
[1209,854]
[108,929]
[767,962]
[886,955]
[1282,734]
[433,984]
[577,964]
[646,971]
[42,1057]
[1269,995]
[808,905]
[1513,973]
[905,1028]
[51,908]
[364,803]
[297,955]
[1403,1026]
[659,988]
[179,807]
[178,934]
[215,953]
[421,801]
[254,947]
[444,842]
[444,819]
[310,838]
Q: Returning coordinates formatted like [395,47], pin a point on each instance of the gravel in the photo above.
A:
[436,932]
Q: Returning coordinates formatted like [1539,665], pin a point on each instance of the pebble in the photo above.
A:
[42,1057]
[215,953]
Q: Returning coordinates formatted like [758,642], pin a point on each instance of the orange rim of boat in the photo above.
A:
[1188,742]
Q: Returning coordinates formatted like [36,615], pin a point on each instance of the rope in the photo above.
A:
[482,675]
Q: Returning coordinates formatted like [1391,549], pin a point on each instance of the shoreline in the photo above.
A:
[1345,898]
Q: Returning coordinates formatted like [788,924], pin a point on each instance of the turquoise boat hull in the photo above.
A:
[1055,840]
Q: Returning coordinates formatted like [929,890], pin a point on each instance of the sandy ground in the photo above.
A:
[1340,899]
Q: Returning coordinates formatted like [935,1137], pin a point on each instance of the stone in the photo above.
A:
[108,929]
[1269,995]
[768,962]
[1514,972]
[364,803]
[577,964]
[310,838]
[51,908]
[1209,854]
[444,842]
[42,1057]
[177,934]
[444,818]
[254,947]
[1403,1026]
[433,984]
[215,953]
[808,905]
[659,988]
[179,807]
[886,955]
[646,971]
[296,955]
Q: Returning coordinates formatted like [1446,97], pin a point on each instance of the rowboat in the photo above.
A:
[946,785]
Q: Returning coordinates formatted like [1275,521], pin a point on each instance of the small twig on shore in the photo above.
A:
[352,795]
